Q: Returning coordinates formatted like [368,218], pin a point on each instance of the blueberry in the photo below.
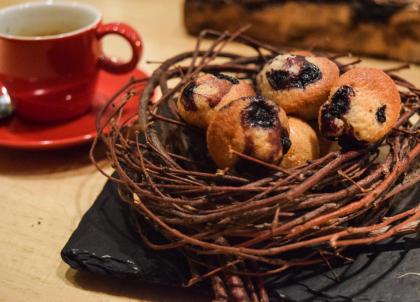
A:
[380,114]
[188,97]
[260,113]
[283,79]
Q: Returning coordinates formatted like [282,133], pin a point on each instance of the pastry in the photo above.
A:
[200,97]
[305,144]
[325,145]
[299,84]
[254,126]
[386,28]
[363,106]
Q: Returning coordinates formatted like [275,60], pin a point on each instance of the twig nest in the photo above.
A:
[199,99]
[254,126]
[363,106]
[300,84]
[305,144]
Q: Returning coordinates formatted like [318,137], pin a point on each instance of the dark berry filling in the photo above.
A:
[188,97]
[259,113]
[328,125]
[278,79]
[339,105]
[286,142]
[283,79]
[340,101]
[380,114]
[223,76]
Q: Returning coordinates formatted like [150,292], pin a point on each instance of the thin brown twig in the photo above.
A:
[288,210]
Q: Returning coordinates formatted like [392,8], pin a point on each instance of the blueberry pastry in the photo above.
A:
[363,106]
[299,84]
[385,28]
[254,126]
[305,144]
[199,98]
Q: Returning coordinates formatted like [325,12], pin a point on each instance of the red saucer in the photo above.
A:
[22,134]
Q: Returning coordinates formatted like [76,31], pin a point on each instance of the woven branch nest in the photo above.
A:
[245,224]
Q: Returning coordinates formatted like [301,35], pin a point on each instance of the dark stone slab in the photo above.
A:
[105,242]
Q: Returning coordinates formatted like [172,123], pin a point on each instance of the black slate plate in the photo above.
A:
[105,242]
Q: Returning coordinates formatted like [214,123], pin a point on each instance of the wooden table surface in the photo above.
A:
[43,195]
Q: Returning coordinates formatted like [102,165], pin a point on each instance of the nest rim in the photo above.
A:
[152,200]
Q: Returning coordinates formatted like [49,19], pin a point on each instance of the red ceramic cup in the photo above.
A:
[50,55]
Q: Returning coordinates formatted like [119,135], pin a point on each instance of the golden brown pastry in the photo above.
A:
[254,126]
[363,106]
[299,84]
[199,98]
[386,28]
[301,52]
[305,144]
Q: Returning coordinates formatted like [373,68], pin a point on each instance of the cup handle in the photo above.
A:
[132,37]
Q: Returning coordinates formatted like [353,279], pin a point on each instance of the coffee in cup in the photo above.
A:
[50,56]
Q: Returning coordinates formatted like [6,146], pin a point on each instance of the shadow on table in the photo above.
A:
[16,162]
[133,289]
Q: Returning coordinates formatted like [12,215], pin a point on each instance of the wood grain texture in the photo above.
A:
[43,195]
